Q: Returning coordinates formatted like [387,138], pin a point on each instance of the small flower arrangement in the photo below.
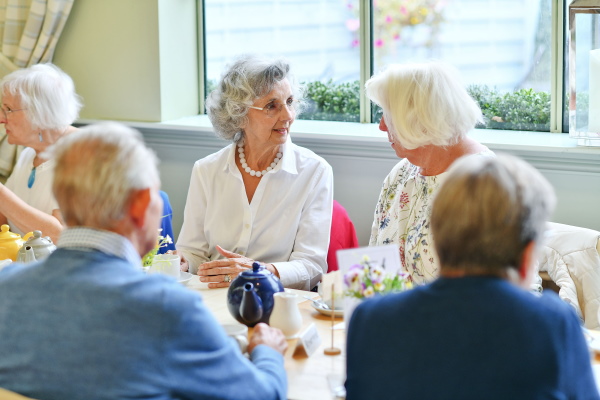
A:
[162,241]
[366,279]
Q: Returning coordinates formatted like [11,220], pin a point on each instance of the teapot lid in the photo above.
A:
[7,235]
[258,271]
[38,241]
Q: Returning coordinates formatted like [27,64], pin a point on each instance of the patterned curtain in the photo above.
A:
[29,30]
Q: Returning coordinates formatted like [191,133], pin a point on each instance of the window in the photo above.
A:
[501,47]
[585,78]
[312,34]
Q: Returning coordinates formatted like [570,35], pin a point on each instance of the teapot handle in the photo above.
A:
[27,236]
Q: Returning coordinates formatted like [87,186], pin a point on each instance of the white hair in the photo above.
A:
[47,95]
[488,210]
[248,78]
[97,168]
[424,103]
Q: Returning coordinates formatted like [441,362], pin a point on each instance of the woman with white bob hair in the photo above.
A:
[262,198]
[39,104]
[427,114]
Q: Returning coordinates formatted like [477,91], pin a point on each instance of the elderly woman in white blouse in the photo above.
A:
[426,115]
[262,198]
[39,104]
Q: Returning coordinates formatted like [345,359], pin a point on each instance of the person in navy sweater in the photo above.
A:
[476,332]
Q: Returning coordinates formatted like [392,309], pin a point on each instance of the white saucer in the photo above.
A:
[592,338]
[336,313]
[184,278]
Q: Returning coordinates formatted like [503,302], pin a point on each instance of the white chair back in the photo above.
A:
[571,257]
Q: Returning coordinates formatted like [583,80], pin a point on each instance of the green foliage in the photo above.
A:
[162,241]
[523,109]
[211,85]
[328,101]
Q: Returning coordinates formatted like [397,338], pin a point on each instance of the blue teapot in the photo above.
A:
[250,296]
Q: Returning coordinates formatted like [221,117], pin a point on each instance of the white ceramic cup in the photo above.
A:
[239,333]
[339,299]
[167,264]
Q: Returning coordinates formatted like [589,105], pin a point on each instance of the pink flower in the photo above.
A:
[396,36]
[403,10]
[355,43]
[401,246]
[379,43]
[403,200]
[352,24]
[388,19]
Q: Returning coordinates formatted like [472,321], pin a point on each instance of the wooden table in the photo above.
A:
[308,377]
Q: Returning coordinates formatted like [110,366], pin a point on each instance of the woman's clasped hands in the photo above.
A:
[220,273]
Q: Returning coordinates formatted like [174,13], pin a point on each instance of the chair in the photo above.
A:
[8,395]
[343,235]
[166,223]
[570,259]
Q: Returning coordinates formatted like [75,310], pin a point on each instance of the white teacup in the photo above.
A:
[239,333]
[327,298]
[167,264]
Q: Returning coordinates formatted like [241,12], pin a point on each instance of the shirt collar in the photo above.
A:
[96,239]
[287,161]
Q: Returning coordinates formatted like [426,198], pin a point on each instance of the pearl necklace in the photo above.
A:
[249,170]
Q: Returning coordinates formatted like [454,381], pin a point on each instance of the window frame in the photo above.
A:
[557,79]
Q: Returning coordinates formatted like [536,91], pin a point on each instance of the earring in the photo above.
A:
[40,136]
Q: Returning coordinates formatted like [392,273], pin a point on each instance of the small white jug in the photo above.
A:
[286,315]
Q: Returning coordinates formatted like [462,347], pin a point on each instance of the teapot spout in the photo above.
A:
[26,256]
[251,307]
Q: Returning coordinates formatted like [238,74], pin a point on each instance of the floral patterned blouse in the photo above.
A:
[402,216]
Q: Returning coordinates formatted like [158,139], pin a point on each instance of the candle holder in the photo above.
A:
[584,72]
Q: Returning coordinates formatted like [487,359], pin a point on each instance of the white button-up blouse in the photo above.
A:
[287,223]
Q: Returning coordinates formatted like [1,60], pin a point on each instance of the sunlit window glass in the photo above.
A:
[582,72]
[312,34]
[501,47]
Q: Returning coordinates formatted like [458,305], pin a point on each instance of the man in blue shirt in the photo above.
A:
[87,323]
[476,332]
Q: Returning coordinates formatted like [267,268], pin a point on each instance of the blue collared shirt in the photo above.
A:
[84,324]
[83,238]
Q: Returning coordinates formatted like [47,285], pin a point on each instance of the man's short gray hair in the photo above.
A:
[47,95]
[424,103]
[248,78]
[487,211]
[97,168]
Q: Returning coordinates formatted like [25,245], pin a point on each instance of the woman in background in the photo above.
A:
[427,114]
[39,104]
[262,198]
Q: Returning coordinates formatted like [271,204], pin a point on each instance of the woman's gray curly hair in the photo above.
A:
[248,78]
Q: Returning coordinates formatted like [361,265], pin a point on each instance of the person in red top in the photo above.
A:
[343,235]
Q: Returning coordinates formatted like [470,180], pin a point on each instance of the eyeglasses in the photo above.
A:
[273,108]
[7,111]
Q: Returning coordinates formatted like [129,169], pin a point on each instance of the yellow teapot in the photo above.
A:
[10,243]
